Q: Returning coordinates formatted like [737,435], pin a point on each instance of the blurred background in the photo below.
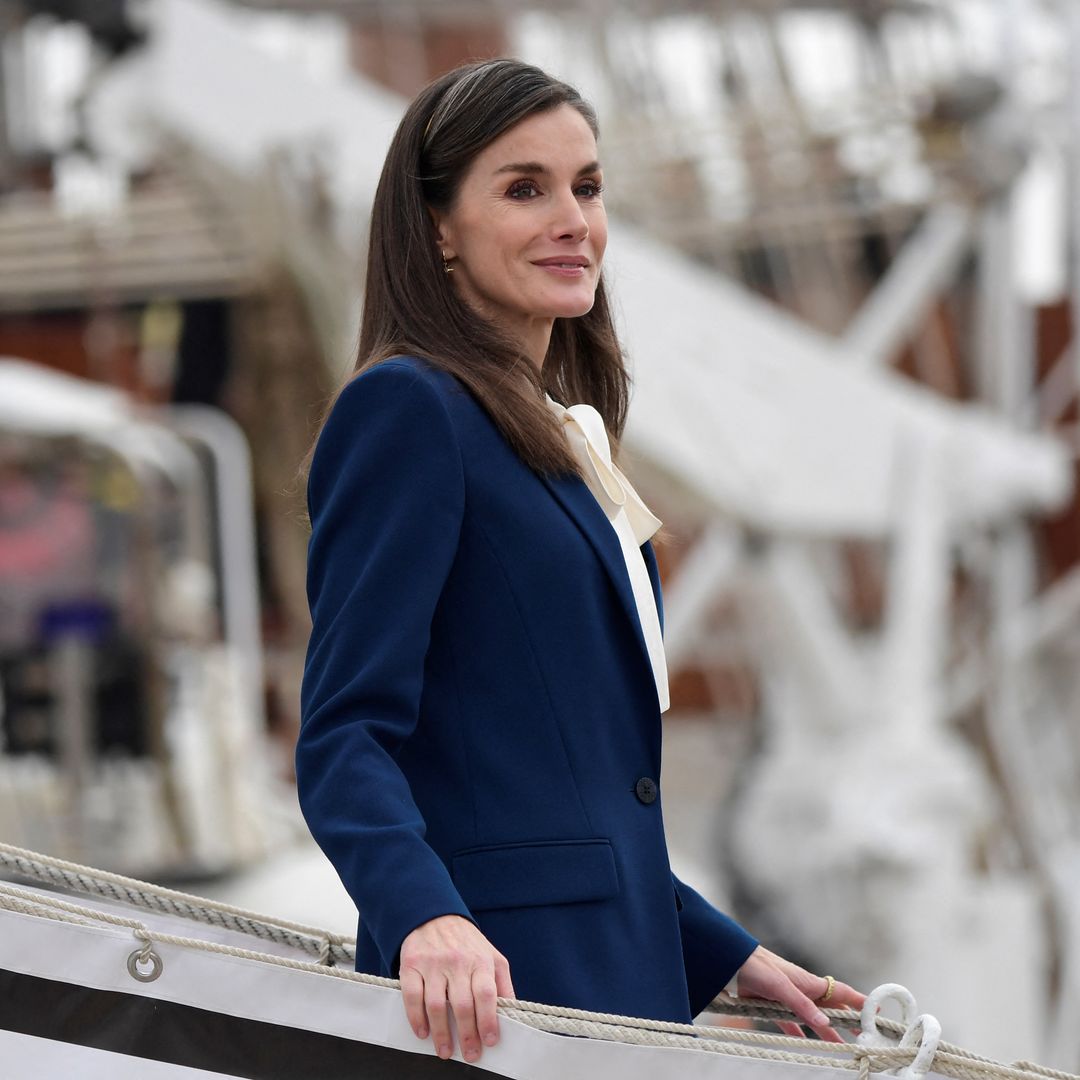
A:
[845,254]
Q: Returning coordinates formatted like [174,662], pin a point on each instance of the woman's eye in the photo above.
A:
[527,189]
[522,189]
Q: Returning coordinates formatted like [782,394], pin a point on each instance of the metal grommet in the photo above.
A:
[146,957]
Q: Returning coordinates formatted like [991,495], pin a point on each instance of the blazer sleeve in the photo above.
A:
[714,946]
[386,496]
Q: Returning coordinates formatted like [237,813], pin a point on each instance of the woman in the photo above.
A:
[480,747]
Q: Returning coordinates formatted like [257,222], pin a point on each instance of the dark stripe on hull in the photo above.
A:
[198,1038]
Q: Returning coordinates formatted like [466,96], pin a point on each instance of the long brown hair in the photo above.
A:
[410,306]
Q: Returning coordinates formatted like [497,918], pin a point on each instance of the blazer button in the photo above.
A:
[645,790]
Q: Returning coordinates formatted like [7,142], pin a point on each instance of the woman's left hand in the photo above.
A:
[772,978]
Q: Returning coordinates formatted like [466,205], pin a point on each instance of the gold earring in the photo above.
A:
[447,268]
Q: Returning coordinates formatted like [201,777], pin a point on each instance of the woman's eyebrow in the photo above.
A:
[537,167]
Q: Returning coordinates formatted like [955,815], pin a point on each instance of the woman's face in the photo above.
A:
[527,231]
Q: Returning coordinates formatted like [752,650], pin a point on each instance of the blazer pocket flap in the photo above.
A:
[536,874]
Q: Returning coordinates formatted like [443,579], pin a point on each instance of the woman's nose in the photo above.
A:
[569,223]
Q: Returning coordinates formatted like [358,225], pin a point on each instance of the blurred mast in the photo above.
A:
[9,18]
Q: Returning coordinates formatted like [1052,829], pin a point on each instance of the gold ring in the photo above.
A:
[830,987]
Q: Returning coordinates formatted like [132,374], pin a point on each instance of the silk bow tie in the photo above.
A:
[588,439]
[631,519]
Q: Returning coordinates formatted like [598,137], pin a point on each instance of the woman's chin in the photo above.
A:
[573,308]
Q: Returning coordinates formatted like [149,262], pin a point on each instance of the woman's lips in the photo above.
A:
[563,269]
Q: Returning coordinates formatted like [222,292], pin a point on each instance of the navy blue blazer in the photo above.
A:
[480,727]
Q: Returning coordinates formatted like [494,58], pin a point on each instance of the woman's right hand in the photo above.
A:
[448,961]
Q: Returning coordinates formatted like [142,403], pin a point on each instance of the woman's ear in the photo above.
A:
[442,234]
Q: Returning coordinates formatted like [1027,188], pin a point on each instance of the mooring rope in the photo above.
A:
[949,1060]
[329,948]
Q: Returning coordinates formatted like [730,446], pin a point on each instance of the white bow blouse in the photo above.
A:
[632,520]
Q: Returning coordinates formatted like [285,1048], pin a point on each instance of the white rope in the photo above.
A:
[13,903]
[755,1009]
[695,1031]
[1042,1070]
[758,1009]
[35,899]
[951,1061]
[328,947]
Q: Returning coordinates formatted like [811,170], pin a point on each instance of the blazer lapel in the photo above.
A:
[578,501]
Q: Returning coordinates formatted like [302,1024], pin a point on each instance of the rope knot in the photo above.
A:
[329,943]
[862,1056]
[143,935]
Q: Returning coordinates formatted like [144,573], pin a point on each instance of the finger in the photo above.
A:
[484,997]
[461,1001]
[787,993]
[503,986]
[844,995]
[788,1028]
[812,1016]
[438,1021]
[412,991]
